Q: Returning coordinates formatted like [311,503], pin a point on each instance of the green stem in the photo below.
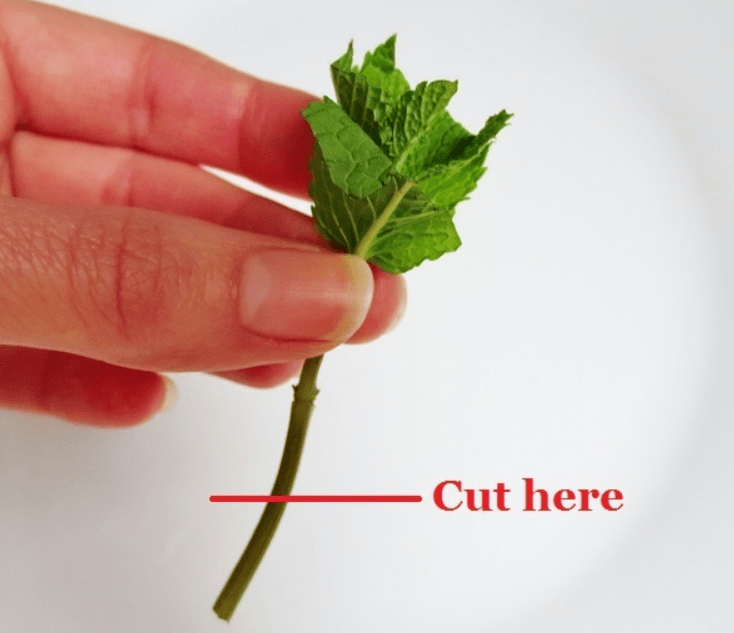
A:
[364,245]
[303,401]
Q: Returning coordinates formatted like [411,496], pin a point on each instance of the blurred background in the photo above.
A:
[581,336]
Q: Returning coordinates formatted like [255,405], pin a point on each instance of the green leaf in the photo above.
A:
[491,128]
[360,91]
[449,182]
[390,164]
[344,220]
[379,70]
[447,185]
[416,231]
[344,63]
[354,162]
[358,99]
[383,56]
[413,120]
[406,244]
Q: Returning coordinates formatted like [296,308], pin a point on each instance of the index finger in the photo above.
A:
[79,77]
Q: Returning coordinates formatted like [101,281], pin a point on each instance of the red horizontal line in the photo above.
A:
[316,498]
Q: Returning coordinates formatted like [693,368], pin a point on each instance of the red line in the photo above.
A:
[316,498]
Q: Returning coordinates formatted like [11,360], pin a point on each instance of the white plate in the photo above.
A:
[578,337]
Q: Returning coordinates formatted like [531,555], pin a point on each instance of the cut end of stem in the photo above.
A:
[223,612]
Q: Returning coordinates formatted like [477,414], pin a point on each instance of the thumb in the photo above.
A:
[160,292]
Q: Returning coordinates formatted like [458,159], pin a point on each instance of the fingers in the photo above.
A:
[389,300]
[387,309]
[79,77]
[264,376]
[60,171]
[151,291]
[78,389]
[73,172]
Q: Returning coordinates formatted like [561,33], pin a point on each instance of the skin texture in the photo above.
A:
[121,258]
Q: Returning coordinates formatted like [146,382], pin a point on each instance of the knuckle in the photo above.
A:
[142,96]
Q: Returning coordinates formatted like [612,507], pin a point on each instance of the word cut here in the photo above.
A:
[452,495]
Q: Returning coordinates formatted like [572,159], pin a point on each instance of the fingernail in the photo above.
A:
[302,295]
[171,395]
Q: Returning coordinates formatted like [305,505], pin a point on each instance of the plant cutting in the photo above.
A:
[389,166]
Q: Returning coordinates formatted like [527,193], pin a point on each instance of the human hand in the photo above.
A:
[121,258]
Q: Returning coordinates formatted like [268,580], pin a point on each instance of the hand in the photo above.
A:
[120,257]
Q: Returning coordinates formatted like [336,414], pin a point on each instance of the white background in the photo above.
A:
[580,336]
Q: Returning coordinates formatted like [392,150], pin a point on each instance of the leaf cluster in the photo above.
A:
[390,164]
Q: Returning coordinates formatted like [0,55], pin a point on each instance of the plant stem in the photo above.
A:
[303,402]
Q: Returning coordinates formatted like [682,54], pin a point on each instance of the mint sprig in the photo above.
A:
[389,166]
[379,136]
